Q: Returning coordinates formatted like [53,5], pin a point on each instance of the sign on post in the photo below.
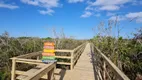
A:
[48,55]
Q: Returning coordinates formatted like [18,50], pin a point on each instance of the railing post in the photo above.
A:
[71,67]
[54,72]
[13,69]
[51,73]
[37,58]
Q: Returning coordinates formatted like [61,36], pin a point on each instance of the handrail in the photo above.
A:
[73,60]
[28,61]
[78,53]
[30,55]
[118,73]
[78,47]
[63,50]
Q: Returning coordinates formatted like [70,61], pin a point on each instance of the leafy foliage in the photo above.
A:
[125,53]
[11,47]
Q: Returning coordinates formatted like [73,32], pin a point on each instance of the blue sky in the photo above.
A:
[77,17]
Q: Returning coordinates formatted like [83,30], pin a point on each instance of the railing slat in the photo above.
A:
[65,63]
[64,57]
[63,50]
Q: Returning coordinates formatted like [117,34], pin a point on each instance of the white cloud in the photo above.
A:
[48,11]
[109,5]
[86,14]
[105,5]
[97,15]
[89,8]
[47,4]
[42,3]
[110,14]
[31,2]
[139,20]
[136,2]
[9,6]
[118,18]
[75,1]
[109,2]
[136,15]
[92,8]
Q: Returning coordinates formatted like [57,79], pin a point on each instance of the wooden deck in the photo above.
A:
[83,70]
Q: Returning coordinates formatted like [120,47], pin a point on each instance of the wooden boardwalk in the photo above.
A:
[89,66]
[83,69]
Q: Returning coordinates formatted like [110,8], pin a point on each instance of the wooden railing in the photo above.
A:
[74,55]
[34,58]
[46,69]
[104,68]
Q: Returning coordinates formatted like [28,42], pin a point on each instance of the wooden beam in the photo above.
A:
[51,74]
[29,61]
[64,57]
[30,55]
[78,54]
[63,50]
[77,48]
[39,53]
[27,73]
[23,73]
[13,69]
[19,72]
[65,63]
[71,66]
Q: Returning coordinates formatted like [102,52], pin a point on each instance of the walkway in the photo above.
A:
[83,69]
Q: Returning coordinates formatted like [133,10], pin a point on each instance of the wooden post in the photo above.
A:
[54,71]
[104,68]
[71,66]
[37,58]
[51,74]
[13,69]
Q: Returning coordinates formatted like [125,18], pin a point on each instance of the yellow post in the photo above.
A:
[13,69]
